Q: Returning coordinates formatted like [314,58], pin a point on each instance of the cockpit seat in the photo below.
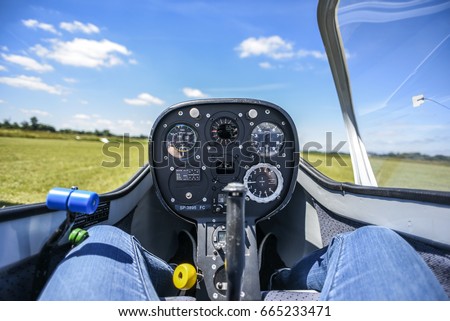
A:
[291,295]
[178,298]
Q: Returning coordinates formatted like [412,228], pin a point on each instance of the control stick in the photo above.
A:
[235,239]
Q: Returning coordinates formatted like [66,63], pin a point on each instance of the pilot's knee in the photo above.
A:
[106,234]
[378,232]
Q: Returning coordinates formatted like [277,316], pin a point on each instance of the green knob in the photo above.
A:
[77,236]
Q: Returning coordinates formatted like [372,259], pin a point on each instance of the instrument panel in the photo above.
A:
[197,147]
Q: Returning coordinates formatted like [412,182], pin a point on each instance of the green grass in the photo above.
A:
[389,171]
[29,168]
[397,172]
[337,167]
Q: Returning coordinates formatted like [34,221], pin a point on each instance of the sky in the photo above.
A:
[118,64]
[401,49]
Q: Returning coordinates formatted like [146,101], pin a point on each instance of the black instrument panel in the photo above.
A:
[197,147]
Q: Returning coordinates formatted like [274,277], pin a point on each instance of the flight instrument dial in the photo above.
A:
[224,130]
[267,138]
[180,140]
[264,183]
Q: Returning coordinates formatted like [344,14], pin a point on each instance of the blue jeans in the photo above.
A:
[109,265]
[372,263]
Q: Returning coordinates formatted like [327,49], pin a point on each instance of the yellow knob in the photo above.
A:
[184,276]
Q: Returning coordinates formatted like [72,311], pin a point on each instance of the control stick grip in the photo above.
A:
[235,239]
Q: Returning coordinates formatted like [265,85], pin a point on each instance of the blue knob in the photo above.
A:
[58,197]
[83,202]
[73,200]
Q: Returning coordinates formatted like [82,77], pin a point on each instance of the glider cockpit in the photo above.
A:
[198,147]
[200,153]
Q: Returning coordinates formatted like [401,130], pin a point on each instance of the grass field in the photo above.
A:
[389,171]
[30,167]
[394,172]
[337,167]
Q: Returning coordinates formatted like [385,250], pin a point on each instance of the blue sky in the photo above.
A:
[404,51]
[118,64]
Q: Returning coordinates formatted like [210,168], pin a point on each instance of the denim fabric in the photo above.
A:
[109,265]
[371,263]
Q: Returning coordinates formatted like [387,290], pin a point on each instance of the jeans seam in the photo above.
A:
[335,268]
[157,258]
[138,268]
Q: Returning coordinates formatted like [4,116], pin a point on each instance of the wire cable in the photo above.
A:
[436,102]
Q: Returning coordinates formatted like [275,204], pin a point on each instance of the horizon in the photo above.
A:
[74,68]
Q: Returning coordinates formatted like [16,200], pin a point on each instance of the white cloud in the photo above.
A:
[2,101]
[265,87]
[83,52]
[35,112]
[84,102]
[193,93]
[82,116]
[274,47]
[125,126]
[27,63]
[86,122]
[133,62]
[70,80]
[2,68]
[143,99]
[302,53]
[34,24]
[32,83]
[348,55]
[303,67]
[4,48]
[266,65]
[390,137]
[103,122]
[125,123]
[77,26]
[117,126]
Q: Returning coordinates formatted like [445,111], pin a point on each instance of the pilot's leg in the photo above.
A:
[371,263]
[109,265]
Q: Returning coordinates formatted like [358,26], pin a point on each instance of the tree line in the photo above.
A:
[35,125]
[413,156]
